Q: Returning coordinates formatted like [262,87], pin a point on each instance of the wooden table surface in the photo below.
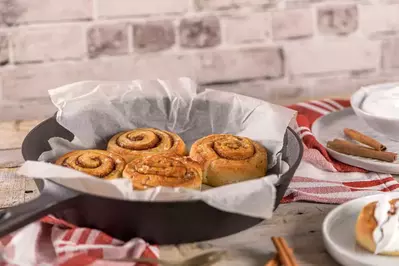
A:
[299,223]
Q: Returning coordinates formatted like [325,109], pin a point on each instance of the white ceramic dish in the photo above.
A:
[331,126]
[386,126]
[339,235]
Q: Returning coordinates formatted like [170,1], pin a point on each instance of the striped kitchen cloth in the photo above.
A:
[319,177]
[54,242]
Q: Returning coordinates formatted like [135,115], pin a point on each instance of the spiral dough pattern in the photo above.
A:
[146,141]
[102,164]
[229,159]
[160,170]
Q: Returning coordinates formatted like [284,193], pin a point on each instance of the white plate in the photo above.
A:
[331,126]
[339,235]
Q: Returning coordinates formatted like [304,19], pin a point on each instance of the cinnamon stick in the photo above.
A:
[349,148]
[275,261]
[286,256]
[356,135]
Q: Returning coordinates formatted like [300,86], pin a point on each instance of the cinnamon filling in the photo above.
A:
[234,148]
[93,164]
[136,138]
[139,140]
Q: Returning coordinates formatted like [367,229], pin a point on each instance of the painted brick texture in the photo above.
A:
[129,8]
[337,19]
[153,36]
[38,11]
[292,24]
[246,28]
[282,51]
[4,54]
[107,39]
[48,43]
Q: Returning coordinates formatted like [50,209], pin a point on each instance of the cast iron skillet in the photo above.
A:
[156,222]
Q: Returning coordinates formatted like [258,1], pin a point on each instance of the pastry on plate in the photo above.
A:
[377,227]
[229,159]
[164,170]
[146,141]
[97,163]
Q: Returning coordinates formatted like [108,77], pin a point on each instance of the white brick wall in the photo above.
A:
[308,57]
[379,19]
[230,65]
[282,51]
[214,4]
[4,53]
[128,8]
[53,10]
[390,54]
[247,27]
[48,43]
[33,81]
[290,24]
[228,4]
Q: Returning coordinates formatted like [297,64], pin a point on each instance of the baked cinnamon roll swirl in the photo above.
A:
[146,141]
[161,170]
[229,159]
[102,164]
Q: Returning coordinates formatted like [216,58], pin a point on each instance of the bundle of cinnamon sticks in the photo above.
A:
[373,149]
[284,255]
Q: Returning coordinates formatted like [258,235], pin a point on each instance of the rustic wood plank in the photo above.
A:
[12,188]
[299,223]
[11,198]
[10,182]
[31,190]
[10,158]
[13,133]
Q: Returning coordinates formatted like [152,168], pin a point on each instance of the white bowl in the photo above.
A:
[386,126]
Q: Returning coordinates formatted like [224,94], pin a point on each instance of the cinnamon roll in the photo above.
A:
[377,227]
[229,159]
[161,170]
[97,163]
[146,141]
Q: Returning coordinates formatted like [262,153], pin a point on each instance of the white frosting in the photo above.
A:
[382,102]
[386,234]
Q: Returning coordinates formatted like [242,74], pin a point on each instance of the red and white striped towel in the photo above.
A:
[53,242]
[319,177]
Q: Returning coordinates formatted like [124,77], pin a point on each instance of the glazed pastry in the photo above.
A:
[97,163]
[377,227]
[145,141]
[164,170]
[229,159]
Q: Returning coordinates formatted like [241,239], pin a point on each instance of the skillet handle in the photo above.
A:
[53,197]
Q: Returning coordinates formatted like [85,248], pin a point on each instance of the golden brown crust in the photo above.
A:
[164,170]
[365,226]
[229,159]
[97,163]
[145,141]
